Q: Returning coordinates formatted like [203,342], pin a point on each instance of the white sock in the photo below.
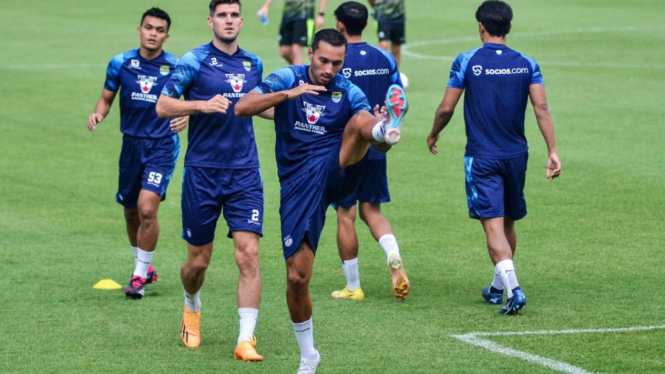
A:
[352,274]
[143,260]
[389,245]
[379,133]
[305,336]
[134,250]
[193,301]
[497,282]
[248,317]
[506,271]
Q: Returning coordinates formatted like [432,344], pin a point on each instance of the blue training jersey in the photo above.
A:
[309,127]
[140,81]
[497,80]
[217,140]
[373,70]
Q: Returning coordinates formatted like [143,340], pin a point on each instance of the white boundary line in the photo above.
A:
[473,338]
[407,52]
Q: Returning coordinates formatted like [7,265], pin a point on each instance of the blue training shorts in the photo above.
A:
[373,186]
[207,192]
[145,164]
[495,187]
[305,199]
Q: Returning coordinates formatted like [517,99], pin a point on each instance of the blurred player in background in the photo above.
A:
[150,145]
[391,17]
[324,128]
[221,169]
[297,27]
[373,70]
[498,83]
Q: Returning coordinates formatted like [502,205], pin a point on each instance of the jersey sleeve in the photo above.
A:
[395,77]
[184,75]
[112,82]
[536,75]
[358,99]
[457,72]
[279,80]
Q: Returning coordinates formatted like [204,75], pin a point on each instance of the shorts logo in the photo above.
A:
[288,241]
[347,72]
[313,112]
[477,70]
[145,82]
[236,80]
[336,97]
[164,70]
[189,233]
[135,64]
[247,65]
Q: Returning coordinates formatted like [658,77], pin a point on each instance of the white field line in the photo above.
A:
[474,339]
[406,48]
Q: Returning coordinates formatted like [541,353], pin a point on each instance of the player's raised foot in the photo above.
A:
[152,275]
[246,351]
[190,330]
[398,275]
[345,293]
[136,288]
[396,107]
[492,298]
[309,367]
[514,304]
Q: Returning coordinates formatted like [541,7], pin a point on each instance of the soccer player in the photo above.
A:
[297,26]
[373,70]
[498,83]
[391,16]
[150,145]
[323,132]
[221,168]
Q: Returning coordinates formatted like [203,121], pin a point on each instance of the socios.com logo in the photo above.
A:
[346,72]
[477,70]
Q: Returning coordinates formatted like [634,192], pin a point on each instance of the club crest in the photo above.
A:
[146,82]
[247,65]
[236,81]
[313,112]
[336,97]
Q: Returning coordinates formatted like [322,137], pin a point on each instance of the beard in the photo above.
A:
[228,40]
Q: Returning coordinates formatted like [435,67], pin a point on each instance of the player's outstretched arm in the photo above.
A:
[320,18]
[254,102]
[546,125]
[443,115]
[101,109]
[169,107]
[264,9]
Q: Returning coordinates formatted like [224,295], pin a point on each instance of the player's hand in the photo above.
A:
[93,120]
[303,89]
[553,166]
[379,112]
[431,143]
[320,20]
[218,104]
[179,124]
[263,10]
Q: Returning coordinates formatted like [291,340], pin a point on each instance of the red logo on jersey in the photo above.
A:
[236,80]
[146,82]
[313,112]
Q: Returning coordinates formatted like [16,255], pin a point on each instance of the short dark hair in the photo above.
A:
[330,36]
[495,16]
[353,16]
[214,3]
[157,13]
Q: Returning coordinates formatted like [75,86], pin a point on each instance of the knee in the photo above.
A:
[247,259]
[199,264]
[297,281]
[131,214]
[147,213]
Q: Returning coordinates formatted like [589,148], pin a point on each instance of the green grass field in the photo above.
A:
[590,256]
